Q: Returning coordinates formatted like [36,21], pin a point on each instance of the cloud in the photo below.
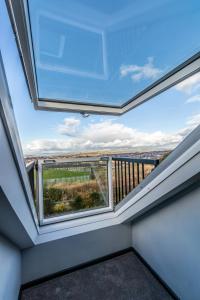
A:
[189,85]
[112,135]
[69,126]
[137,73]
[191,123]
[195,98]
[47,145]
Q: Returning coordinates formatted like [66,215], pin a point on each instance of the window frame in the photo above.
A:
[74,214]
[179,170]
[19,14]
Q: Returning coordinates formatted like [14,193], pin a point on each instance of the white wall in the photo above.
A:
[10,270]
[11,185]
[13,176]
[51,257]
[169,240]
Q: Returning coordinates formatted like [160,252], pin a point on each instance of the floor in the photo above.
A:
[124,277]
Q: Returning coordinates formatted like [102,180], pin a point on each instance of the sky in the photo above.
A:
[160,123]
[108,51]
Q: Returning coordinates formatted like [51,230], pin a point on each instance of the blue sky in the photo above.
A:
[109,51]
[160,123]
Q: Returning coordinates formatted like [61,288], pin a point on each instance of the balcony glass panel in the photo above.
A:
[108,51]
[76,186]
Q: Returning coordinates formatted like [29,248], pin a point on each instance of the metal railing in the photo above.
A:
[128,173]
[59,186]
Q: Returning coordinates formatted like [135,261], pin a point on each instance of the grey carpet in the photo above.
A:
[124,277]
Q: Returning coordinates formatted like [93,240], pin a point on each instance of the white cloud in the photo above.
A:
[47,145]
[112,135]
[189,85]
[69,126]
[195,98]
[136,72]
[193,121]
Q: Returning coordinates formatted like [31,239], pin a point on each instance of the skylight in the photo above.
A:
[106,56]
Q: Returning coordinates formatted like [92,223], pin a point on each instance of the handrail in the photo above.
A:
[137,160]
[59,163]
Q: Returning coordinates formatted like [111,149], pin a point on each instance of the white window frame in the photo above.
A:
[78,214]
[18,10]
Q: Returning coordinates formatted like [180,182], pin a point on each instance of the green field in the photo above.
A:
[52,173]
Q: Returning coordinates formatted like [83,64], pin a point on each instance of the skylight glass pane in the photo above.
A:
[107,51]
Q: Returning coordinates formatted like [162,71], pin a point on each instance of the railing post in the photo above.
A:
[30,171]
[119,181]
[122,180]
[40,194]
[129,177]
[157,161]
[142,170]
[133,174]
[116,194]
[138,173]
[31,180]
[125,178]
[110,185]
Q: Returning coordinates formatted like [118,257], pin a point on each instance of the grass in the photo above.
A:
[52,173]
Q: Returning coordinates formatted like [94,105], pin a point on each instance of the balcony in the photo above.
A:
[69,189]
[99,150]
